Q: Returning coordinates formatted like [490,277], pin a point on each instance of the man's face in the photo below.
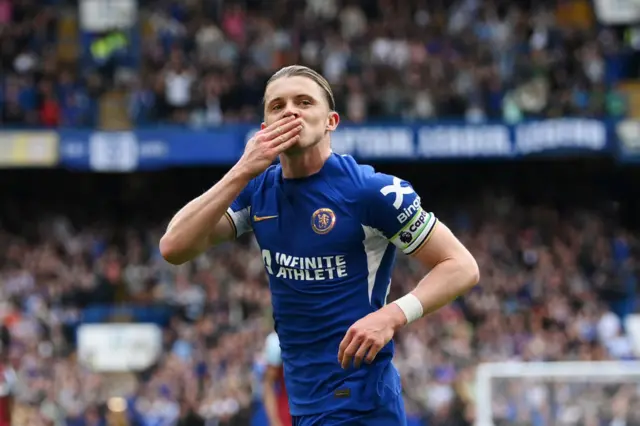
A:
[303,98]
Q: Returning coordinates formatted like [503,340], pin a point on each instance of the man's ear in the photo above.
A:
[332,121]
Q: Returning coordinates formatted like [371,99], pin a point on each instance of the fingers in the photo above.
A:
[285,140]
[350,351]
[280,128]
[362,351]
[280,122]
[376,346]
[358,346]
[282,147]
[344,344]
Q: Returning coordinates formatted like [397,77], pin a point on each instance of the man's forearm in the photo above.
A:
[190,231]
[445,282]
[269,401]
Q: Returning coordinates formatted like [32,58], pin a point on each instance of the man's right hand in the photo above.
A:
[263,148]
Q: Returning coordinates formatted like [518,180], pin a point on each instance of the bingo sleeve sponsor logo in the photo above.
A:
[408,212]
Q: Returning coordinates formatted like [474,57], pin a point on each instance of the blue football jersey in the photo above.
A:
[328,243]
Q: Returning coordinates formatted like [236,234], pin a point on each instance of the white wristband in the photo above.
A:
[411,307]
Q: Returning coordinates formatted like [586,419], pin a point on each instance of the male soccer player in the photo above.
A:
[274,391]
[328,229]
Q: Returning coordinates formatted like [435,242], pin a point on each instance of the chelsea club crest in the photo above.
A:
[323,220]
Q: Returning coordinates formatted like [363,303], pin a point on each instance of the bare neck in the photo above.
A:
[306,163]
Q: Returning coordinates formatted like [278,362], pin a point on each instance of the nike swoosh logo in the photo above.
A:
[261,218]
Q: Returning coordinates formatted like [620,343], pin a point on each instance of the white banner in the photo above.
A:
[104,15]
[25,149]
[632,326]
[113,151]
[119,347]
[617,12]
[628,132]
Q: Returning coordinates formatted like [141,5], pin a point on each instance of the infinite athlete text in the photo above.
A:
[304,268]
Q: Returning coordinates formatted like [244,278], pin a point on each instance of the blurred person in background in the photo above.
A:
[8,381]
[274,391]
[189,415]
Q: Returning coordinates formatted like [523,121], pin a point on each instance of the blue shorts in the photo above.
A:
[390,414]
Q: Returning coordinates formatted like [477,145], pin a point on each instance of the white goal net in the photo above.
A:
[558,394]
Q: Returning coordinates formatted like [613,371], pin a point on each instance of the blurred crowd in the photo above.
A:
[556,283]
[205,63]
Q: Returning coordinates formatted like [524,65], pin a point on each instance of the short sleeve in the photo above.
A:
[394,209]
[272,350]
[239,213]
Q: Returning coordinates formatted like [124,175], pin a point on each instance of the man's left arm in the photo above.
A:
[453,271]
[395,211]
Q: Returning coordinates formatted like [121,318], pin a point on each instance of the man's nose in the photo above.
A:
[290,111]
